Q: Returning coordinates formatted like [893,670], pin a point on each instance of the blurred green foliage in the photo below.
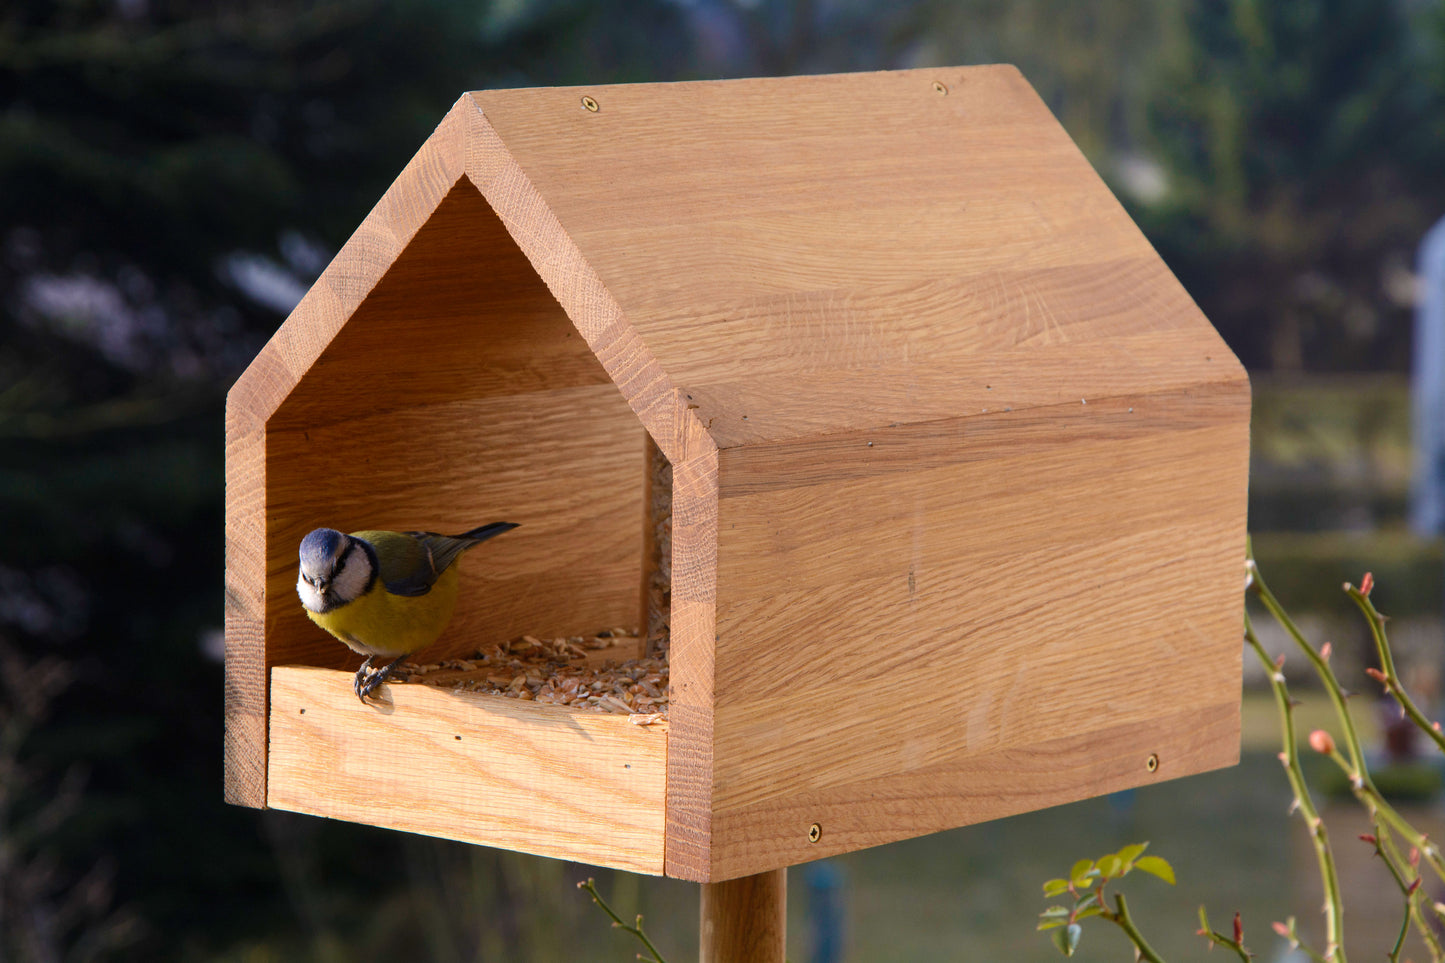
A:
[174,172]
[1303,153]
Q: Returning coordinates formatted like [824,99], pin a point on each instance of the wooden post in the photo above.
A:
[745,920]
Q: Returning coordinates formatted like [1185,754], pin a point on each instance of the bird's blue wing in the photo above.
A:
[405,564]
[411,562]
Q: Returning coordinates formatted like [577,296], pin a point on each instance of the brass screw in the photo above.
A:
[1152,764]
[590,104]
[815,833]
[939,87]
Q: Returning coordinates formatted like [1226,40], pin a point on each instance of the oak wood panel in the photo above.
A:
[550,780]
[1057,767]
[254,398]
[691,699]
[245,737]
[774,405]
[728,220]
[566,465]
[1072,424]
[1060,489]
[572,280]
[943,318]
[971,669]
[718,140]
[459,314]
[744,920]
[780,252]
[966,587]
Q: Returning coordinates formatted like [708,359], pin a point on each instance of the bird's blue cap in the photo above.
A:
[320,548]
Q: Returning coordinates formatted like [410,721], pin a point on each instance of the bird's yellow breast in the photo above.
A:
[379,623]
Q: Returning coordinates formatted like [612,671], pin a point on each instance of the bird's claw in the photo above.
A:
[366,681]
[358,683]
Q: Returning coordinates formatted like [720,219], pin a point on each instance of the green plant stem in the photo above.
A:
[1329,876]
[1219,939]
[1121,918]
[1386,819]
[1383,816]
[1321,667]
[635,929]
[1414,901]
[1387,666]
[1410,909]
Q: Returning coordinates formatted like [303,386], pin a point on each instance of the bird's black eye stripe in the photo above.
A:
[341,562]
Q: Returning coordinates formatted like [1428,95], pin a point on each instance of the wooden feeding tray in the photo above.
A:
[863,387]
[484,749]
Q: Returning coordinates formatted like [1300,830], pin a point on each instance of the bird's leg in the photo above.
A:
[360,679]
[378,677]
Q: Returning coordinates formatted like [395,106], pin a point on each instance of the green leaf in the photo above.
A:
[1067,939]
[1203,920]
[1079,875]
[1156,866]
[1051,924]
[1091,900]
[1111,866]
[1130,853]
[1084,914]
[1053,911]
[1056,886]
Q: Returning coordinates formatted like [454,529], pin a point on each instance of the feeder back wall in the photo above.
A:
[959,469]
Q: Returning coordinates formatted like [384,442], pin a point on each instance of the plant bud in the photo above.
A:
[1322,742]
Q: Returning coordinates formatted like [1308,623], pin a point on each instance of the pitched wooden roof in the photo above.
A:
[753,260]
[808,255]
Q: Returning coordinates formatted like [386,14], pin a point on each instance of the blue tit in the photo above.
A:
[385,594]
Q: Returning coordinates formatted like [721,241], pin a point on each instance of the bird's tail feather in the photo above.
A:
[486,531]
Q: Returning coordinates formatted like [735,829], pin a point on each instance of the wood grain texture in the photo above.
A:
[584,786]
[591,307]
[745,920]
[957,594]
[253,400]
[1058,767]
[245,737]
[807,255]
[693,637]
[566,465]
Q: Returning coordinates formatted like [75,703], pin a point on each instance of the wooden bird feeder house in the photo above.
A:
[958,475]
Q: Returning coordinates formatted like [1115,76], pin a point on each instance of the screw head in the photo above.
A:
[1152,763]
[940,88]
[590,104]
[815,833]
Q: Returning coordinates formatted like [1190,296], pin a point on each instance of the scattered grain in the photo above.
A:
[602,672]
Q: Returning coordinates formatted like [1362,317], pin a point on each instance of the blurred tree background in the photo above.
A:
[174,173]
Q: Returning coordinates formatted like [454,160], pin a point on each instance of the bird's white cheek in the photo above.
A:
[351,581]
[309,596]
